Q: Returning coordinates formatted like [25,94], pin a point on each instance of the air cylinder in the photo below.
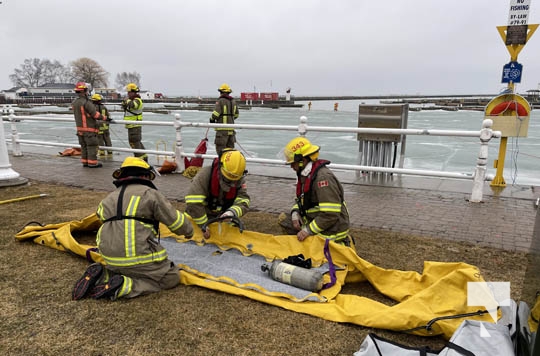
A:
[303,278]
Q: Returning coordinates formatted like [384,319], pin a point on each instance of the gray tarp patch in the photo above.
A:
[211,260]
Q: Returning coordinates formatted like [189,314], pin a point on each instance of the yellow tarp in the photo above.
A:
[439,291]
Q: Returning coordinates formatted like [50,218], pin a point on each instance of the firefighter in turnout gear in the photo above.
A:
[225,112]
[87,119]
[128,240]
[133,109]
[104,135]
[219,190]
[320,207]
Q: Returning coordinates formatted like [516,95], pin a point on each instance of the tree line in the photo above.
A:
[34,72]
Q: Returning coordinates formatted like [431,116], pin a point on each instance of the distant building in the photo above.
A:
[533,95]
[107,93]
[14,93]
[56,91]
[145,94]
[53,90]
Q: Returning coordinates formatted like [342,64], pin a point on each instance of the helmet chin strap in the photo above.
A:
[300,168]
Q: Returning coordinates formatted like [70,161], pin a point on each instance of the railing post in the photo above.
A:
[179,148]
[480,171]
[302,127]
[8,176]
[15,145]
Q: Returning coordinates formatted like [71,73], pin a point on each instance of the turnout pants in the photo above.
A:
[135,141]
[224,139]
[104,139]
[147,278]
[89,148]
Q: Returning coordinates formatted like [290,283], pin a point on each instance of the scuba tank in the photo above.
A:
[303,278]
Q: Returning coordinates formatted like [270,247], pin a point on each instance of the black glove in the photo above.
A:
[299,261]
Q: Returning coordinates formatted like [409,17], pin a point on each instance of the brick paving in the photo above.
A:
[430,207]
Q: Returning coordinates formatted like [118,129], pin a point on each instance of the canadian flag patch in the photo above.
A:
[322,183]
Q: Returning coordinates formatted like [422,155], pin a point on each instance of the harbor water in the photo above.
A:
[452,154]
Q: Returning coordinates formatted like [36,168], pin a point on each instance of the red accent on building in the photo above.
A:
[249,96]
[269,96]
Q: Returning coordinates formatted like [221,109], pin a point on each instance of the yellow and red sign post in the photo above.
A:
[510,112]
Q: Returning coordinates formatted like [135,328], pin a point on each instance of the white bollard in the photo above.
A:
[179,147]
[302,127]
[480,171]
[15,145]
[8,177]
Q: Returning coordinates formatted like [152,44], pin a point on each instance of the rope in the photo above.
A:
[526,154]
[515,152]
[246,153]
[191,172]
[119,138]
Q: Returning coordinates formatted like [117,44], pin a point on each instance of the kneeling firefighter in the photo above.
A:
[219,190]
[128,240]
[320,207]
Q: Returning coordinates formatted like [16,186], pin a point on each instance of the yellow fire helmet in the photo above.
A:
[134,166]
[233,165]
[298,148]
[132,87]
[97,97]
[225,88]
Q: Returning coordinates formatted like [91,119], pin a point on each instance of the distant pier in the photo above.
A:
[450,102]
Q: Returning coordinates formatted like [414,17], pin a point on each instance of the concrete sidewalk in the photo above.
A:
[430,207]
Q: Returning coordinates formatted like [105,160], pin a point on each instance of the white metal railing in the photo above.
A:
[478,176]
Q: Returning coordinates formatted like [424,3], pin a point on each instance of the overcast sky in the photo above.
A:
[340,47]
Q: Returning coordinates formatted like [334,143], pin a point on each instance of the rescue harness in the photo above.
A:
[304,202]
[213,199]
[124,182]
[226,111]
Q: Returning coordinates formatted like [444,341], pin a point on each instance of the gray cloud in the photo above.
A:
[346,47]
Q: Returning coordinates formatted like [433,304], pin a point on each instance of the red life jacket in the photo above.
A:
[305,201]
[212,200]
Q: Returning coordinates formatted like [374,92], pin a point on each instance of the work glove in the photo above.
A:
[296,220]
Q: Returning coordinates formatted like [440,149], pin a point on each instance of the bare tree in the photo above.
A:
[89,71]
[30,74]
[56,72]
[124,78]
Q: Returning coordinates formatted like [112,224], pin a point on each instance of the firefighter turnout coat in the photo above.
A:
[320,202]
[133,109]
[103,126]
[130,230]
[86,116]
[207,196]
[225,111]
